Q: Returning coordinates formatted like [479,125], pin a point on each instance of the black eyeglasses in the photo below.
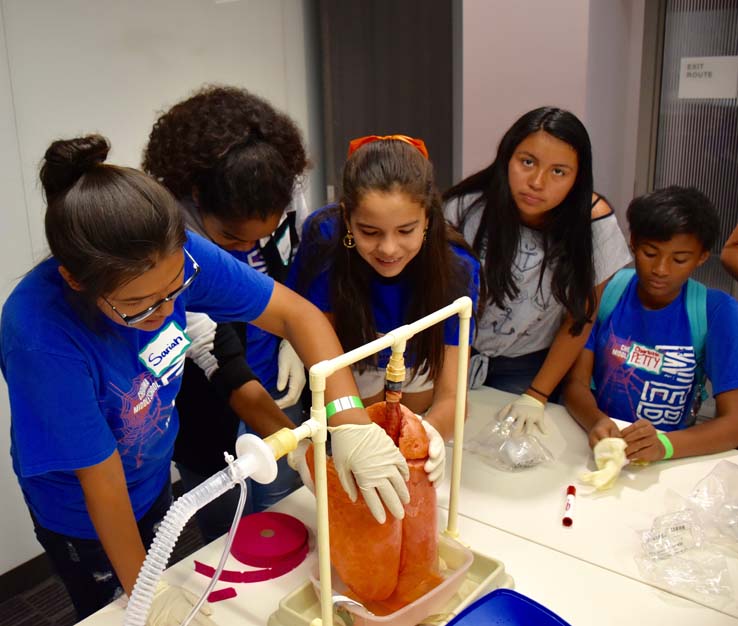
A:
[131,320]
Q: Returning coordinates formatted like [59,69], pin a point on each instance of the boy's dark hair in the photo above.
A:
[674,210]
[241,155]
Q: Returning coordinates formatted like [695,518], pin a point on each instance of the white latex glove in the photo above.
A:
[527,411]
[364,455]
[201,330]
[296,460]
[609,454]
[436,462]
[171,605]
[291,370]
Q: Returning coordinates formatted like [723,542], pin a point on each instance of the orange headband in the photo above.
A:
[355,144]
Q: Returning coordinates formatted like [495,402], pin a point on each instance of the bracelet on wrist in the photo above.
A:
[668,447]
[342,404]
[538,391]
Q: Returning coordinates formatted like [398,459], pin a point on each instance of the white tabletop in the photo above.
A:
[529,503]
[580,593]
[586,574]
[255,601]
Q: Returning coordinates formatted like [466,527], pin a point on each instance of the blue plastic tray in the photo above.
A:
[505,607]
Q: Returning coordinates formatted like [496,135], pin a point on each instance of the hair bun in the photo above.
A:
[68,159]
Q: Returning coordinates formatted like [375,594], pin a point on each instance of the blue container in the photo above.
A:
[505,607]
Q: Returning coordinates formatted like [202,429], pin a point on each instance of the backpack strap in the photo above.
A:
[610,296]
[696,303]
[612,292]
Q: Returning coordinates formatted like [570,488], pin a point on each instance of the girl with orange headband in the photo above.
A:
[382,257]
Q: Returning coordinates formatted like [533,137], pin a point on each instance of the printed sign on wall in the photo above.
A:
[708,77]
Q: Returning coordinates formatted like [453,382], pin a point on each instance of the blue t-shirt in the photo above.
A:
[78,393]
[262,347]
[389,296]
[644,360]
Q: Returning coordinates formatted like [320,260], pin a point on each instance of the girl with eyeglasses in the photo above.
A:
[382,257]
[548,244]
[92,346]
[234,164]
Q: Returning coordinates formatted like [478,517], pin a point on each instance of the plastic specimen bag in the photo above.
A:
[499,446]
[685,550]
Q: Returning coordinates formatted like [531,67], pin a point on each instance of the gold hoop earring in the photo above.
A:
[425,233]
[349,241]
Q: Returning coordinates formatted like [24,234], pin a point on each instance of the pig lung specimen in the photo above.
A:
[387,566]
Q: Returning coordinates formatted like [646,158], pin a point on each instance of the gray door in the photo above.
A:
[697,138]
[387,69]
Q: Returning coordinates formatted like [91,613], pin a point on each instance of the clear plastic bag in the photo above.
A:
[685,550]
[715,497]
[672,534]
[501,448]
[699,572]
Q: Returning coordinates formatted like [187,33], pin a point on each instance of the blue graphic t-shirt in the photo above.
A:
[78,392]
[644,360]
[262,347]
[389,296]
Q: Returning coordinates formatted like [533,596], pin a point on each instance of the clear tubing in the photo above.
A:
[161,549]
[223,557]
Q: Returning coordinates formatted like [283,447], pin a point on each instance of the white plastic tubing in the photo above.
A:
[256,461]
[395,339]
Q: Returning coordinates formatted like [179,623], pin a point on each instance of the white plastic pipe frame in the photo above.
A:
[396,339]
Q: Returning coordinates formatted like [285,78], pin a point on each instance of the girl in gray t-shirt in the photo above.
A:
[547,243]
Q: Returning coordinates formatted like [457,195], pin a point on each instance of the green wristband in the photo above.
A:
[342,404]
[668,448]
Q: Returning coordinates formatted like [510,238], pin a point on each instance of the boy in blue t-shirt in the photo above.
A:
[640,363]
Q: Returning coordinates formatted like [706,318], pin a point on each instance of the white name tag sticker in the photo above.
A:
[645,358]
[167,349]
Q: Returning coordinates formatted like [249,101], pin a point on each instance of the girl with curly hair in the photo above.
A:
[235,165]
[548,243]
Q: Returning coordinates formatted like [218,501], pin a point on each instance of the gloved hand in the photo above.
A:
[291,370]
[609,454]
[201,330]
[436,462]
[527,411]
[296,460]
[171,605]
[364,455]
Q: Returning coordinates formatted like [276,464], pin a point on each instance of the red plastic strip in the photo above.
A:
[222,594]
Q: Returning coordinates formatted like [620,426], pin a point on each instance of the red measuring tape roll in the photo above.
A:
[273,541]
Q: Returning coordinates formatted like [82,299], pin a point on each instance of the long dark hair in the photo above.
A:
[241,155]
[104,223]
[567,228]
[435,277]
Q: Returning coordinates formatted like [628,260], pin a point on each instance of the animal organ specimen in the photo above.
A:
[387,566]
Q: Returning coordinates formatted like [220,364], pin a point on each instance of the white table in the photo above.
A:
[529,503]
[516,518]
[581,593]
